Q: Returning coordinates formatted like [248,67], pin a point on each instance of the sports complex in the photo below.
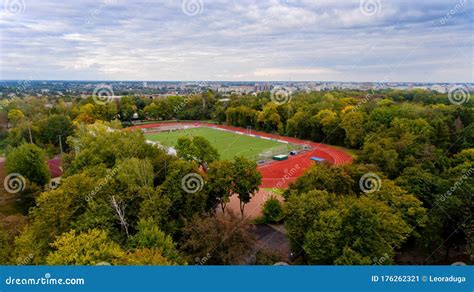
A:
[281,160]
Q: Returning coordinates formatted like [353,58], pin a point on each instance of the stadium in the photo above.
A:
[281,160]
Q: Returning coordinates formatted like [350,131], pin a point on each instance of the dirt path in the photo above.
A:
[254,208]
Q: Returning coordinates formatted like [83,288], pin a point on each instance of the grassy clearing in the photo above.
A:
[274,191]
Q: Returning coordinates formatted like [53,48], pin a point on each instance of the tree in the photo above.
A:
[127,108]
[453,210]
[106,186]
[269,119]
[17,136]
[246,180]
[144,257]
[16,116]
[197,149]
[152,111]
[380,153]
[299,125]
[106,112]
[227,240]
[301,211]
[241,116]
[157,206]
[5,246]
[135,173]
[367,227]
[353,125]
[29,161]
[402,203]
[150,236]
[86,114]
[272,210]
[350,257]
[219,184]
[90,248]
[334,179]
[55,212]
[183,195]
[119,208]
[425,185]
[99,145]
[54,127]
[219,113]
[330,125]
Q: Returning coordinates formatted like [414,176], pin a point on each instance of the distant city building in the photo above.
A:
[439,88]
[236,89]
[259,87]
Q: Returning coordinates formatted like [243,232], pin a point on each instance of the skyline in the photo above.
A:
[232,81]
[240,41]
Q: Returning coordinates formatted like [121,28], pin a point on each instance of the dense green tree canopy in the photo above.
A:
[29,161]
[89,248]
[227,240]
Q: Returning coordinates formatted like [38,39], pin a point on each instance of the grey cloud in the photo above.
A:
[238,40]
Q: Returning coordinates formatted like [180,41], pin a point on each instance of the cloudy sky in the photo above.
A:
[368,40]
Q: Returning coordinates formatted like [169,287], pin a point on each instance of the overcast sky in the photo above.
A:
[372,40]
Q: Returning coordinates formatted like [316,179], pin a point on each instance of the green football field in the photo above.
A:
[227,144]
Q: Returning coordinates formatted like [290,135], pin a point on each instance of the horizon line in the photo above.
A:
[244,81]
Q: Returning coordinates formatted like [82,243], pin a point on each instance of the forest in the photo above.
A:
[120,200]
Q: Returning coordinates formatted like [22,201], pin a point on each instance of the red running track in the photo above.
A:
[279,174]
